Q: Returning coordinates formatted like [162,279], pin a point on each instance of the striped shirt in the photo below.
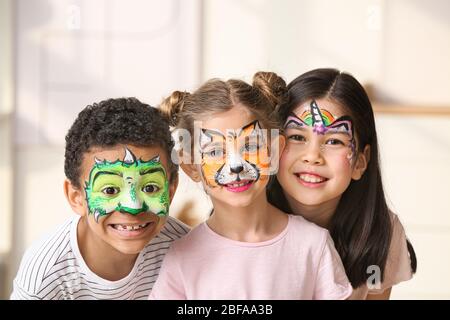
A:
[53,268]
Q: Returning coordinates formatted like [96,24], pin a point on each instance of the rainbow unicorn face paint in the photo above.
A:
[323,123]
[128,186]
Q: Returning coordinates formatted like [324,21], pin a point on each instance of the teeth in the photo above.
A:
[122,227]
[237,185]
[311,179]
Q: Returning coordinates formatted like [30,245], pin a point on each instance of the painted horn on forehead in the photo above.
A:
[155,159]
[316,114]
[129,157]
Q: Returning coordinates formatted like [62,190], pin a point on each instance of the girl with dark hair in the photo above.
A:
[247,249]
[330,174]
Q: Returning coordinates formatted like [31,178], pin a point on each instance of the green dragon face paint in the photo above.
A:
[128,186]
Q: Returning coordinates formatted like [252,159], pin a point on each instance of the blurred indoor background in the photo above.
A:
[57,56]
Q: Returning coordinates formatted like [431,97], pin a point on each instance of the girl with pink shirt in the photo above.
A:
[247,249]
[330,175]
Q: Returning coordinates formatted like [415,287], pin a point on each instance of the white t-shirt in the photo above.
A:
[54,269]
[299,263]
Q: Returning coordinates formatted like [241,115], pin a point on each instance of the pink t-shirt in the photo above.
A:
[299,263]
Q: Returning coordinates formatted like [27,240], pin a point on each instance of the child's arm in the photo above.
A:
[382,296]
[170,284]
[23,286]
[20,293]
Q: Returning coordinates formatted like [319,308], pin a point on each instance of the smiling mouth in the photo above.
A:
[130,227]
[239,186]
[310,178]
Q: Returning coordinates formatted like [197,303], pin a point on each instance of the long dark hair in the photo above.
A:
[361,226]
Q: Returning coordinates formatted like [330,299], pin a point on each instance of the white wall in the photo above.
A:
[291,36]
[6,157]
[72,53]
[416,51]
[415,153]
[402,46]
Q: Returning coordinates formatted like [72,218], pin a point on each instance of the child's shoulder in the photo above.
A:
[308,234]
[53,240]
[395,221]
[43,254]
[197,237]
[306,227]
[173,229]
[398,237]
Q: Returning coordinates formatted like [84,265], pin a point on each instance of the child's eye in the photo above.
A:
[150,188]
[297,137]
[215,153]
[110,191]
[251,147]
[334,142]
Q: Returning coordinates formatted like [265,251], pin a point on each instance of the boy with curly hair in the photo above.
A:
[119,180]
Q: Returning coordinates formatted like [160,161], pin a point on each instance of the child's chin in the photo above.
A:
[310,201]
[131,246]
[239,201]
[131,249]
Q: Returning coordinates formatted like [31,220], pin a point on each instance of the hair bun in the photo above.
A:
[171,106]
[272,86]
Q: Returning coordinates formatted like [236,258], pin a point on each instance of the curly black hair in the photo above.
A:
[112,122]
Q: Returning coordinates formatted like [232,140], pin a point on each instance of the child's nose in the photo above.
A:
[134,203]
[133,200]
[235,161]
[312,154]
[236,169]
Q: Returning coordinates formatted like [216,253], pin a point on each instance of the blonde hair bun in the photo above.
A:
[172,106]
[272,86]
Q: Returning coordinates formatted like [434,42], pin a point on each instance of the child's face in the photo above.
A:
[234,157]
[126,195]
[317,164]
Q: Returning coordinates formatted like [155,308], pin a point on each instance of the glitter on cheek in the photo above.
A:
[351,155]
[350,158]
[343,166]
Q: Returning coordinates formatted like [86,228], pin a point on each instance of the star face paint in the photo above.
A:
[234,160]
[128,186]
[323,122]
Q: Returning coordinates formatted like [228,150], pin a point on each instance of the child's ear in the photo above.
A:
[361,163]
[173,188]
[75,197]
[191,171]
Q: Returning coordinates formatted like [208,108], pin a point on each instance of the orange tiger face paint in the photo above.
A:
[235,160]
